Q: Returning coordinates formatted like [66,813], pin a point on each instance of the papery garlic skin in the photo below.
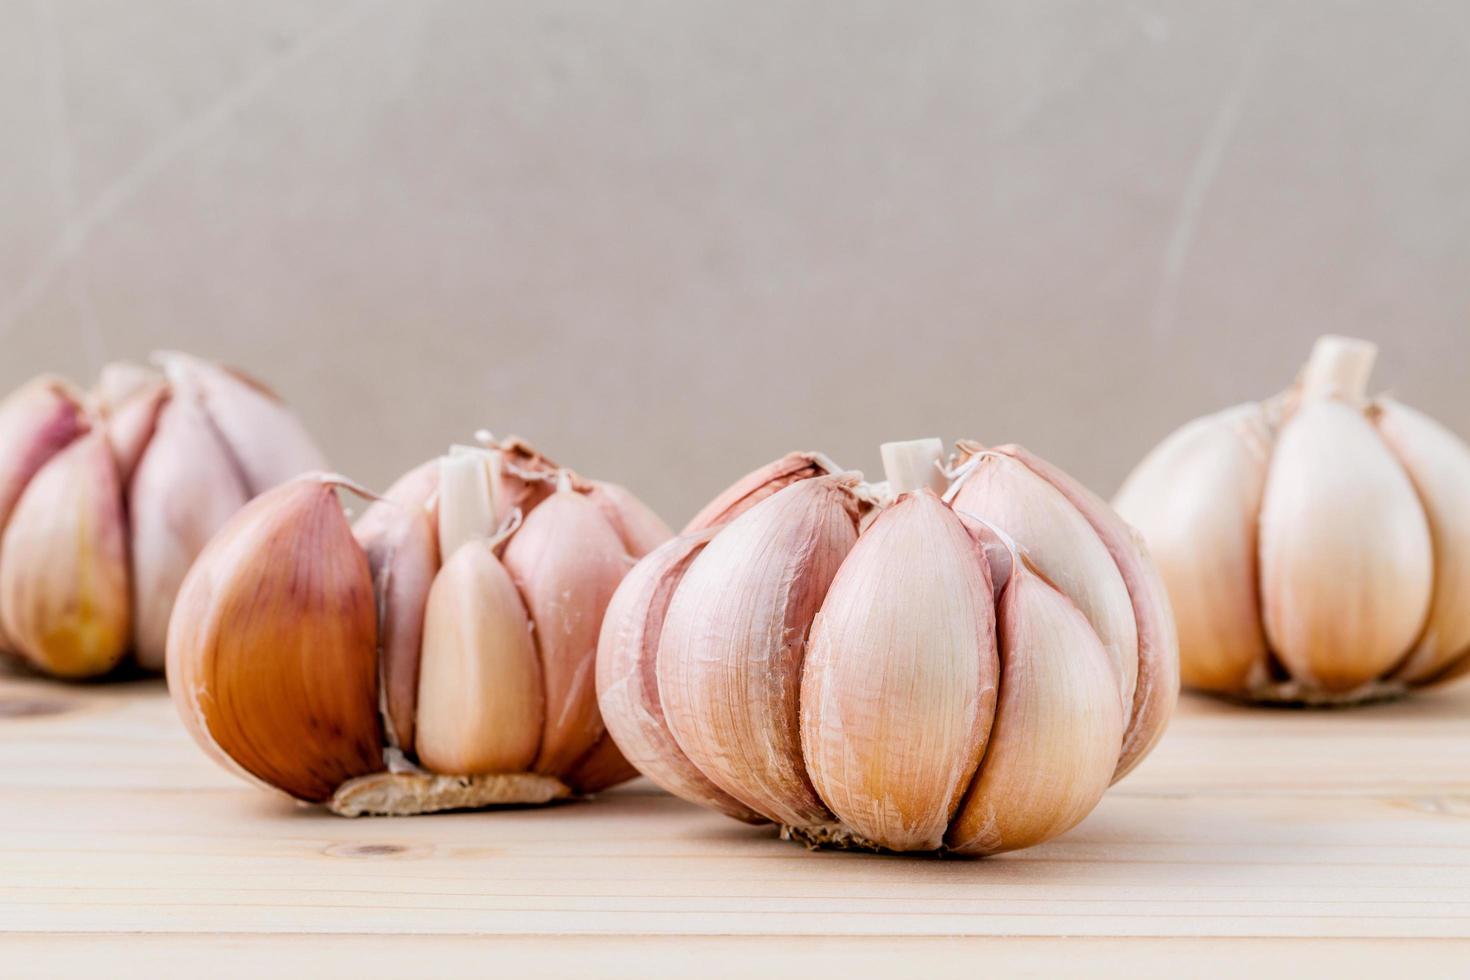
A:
[166,459]
[864,618]
[730,656]
[272,648]
[898,687]
[1316,546]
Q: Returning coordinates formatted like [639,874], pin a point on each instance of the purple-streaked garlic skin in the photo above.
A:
[1316,546]
[183,451]
[890,637]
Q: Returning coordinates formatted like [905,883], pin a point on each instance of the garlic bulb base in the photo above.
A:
[1295,694]
[832,837]
[406,794]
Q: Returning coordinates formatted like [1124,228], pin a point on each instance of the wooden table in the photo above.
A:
[1250,840]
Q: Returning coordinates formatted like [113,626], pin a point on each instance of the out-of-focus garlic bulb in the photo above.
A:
[1317,546]
[961,658]
[107,497]
[438,655]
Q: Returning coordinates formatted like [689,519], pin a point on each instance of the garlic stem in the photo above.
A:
[1338,368]
[913,465]
[466,505]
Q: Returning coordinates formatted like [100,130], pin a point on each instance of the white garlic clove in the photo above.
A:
[730,658]
[268,442]
[567,561]
[403,553]
[601,768]
[1058,726]
[64,592]
[758,485]
[272,648]
[130,427]
[638,527]
[898,688]
[185,488]
[481,704]
[468,511]
[1346,558]
[1058,539]
[1156,692]
[1438,464]
[120,382]
[1195,499]
[627,677]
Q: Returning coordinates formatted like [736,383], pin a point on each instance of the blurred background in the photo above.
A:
[667,241]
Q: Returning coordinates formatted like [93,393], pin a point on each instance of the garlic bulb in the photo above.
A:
[106,498]
[1316,547]
[958,659]
[438,655]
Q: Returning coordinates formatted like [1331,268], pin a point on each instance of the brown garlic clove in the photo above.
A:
[638,527]
[1197,497]
[481,704]
[267,441]
[403,554]
[1058,725]
[730,657]
[1438,464]
[567,561]
[272,649]
[627,677]
[1006,493]
[1346,557]
[64,594]
[759,484]
[601,768]
[185,488]
[1156,691]
[898,689]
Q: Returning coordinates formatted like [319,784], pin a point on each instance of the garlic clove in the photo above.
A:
[730,657]
[272,648]
[268,442]
[1058,725]
[627,677]
[468,510]
[64,595]
[130,427]
[481,705]
[759,484]
[1058,539]
[898,688]
[1195,499]
[638,527]
[1438,465]
[36,422]
[1156,692]
[567,561]
[185,488]
[1346,558]
[601,768]
[403,554]
[119,382]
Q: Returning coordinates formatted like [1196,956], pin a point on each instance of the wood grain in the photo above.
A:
[1249,840]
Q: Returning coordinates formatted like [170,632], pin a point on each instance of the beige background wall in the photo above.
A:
[671,240]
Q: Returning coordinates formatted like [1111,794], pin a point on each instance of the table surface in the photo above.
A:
[1250,839]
